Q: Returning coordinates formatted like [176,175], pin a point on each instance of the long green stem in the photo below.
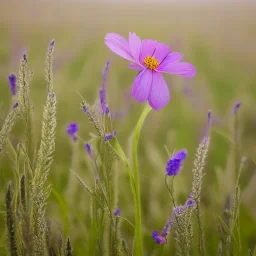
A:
[138,224]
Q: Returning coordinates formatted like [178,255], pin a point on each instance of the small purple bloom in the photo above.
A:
[13,85]
[85,109]
[15,105]
[107,110]
[174,163]
[89,149]
[52,43]
[236,107]
[72,129]
[190,202]
[158,238]
[117,212]
[110,136]
[151,59]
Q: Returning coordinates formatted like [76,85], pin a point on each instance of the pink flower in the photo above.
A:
[151,59]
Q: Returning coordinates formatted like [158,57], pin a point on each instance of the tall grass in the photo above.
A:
[121,201]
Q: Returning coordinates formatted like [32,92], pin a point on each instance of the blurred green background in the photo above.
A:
[218,38]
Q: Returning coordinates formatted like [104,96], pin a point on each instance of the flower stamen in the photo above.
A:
[151,62]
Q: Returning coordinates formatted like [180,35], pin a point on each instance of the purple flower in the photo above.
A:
[12,83]
[110,136]
[88,149]
[151,59]
[158,238]
[190,202]
[15,105]
[52,43]
[177,211]
[117,212]
[107,110]
[85,110]
[102,93]
[72,129]
[236,107]
[174,163]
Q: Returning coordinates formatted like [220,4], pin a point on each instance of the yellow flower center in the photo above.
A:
[151,62]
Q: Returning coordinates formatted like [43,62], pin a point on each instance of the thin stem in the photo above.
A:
[138,222]
[170,190]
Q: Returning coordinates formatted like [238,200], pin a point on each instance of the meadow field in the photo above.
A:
[217,38]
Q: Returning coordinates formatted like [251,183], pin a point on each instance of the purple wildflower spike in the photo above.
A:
[177,211]
[158,238]
[167,226]
[110,136]
[117,212]
[174,163]
[72,129]
[104,76]
[102,92]
[88,149]
[12,83]
[236,107]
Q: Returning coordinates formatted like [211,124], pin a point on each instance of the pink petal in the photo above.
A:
[162,50]
[159,95]
[183,69]
[134,44]
[142,85]
[170,58]
[148,47]
[118,45]
[135,66]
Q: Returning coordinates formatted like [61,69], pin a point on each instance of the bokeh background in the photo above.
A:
[218,37]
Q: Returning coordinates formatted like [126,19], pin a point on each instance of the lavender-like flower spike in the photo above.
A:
[177,211]
[117,212]
[110,136]
[236,107]
[167,226]
[13,85]
[104,76]
[88,149]
[174,163]
[72,129]
[102,93]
